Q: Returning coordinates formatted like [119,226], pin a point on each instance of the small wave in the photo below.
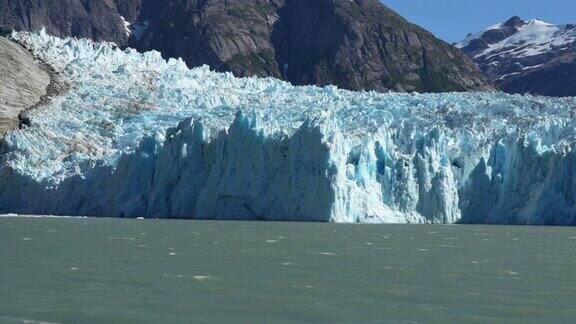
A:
[23,320]
[323,253]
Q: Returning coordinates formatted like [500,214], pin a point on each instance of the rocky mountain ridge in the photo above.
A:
[357,45]
[526,56]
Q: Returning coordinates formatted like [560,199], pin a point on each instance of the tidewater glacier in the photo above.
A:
[135,135]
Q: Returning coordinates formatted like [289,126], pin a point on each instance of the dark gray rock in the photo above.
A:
[356,45]
[514,22]
[353,44]
[5,30]
[95,19]
[556,78]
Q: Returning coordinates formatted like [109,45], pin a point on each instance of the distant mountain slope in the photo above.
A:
[356,45]
[526,56]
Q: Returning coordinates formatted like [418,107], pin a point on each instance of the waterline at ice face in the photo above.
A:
[140,136]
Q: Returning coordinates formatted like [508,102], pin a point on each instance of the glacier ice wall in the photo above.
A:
[138,136]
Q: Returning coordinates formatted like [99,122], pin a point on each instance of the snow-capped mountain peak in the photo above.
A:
[474,36]
[533,36]
[509,50]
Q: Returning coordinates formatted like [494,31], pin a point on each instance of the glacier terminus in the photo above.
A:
[135,135]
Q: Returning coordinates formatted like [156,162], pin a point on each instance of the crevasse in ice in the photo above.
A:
[136,135]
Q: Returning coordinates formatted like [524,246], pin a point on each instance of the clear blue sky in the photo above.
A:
[451,20]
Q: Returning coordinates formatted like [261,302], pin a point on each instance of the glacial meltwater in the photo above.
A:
[84,270]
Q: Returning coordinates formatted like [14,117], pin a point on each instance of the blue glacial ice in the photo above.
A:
[138,136]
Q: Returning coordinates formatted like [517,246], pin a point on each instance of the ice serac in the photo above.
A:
[138,136]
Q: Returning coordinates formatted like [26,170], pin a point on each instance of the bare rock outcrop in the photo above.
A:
[23,83]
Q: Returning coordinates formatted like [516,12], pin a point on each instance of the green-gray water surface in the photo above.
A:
[79,270]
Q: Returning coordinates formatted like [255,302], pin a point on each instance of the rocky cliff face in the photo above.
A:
[356,45]
[23,82]
[98,20]
[353,44]
[526,56]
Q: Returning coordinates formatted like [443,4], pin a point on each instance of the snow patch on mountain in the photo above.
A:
[138,136]
[135,29]
[522,56]
[472,36]
[127,27]
[534,38]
